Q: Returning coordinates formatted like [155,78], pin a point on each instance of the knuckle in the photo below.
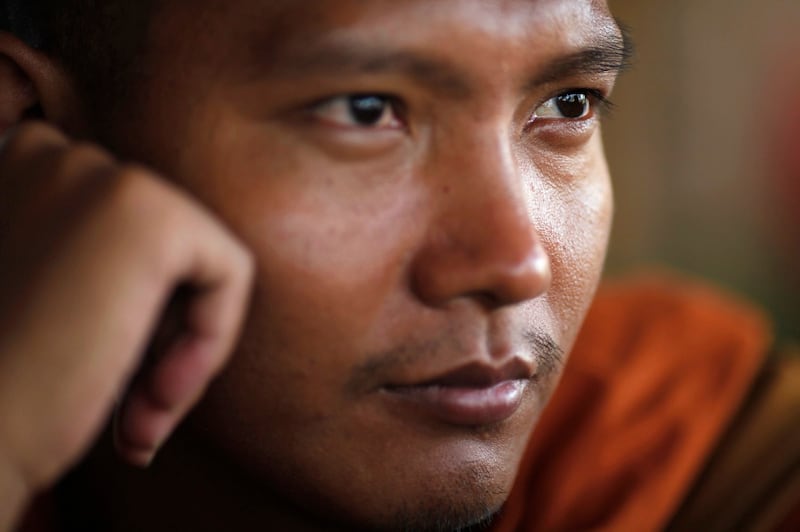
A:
[143,202]
[31,131]
[240,265]
[82,150]
[82,160]
[245,261]
[135,209]
[135,171]
[131,193]
[30,135]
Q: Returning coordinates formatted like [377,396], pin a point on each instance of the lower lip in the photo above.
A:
[472,407]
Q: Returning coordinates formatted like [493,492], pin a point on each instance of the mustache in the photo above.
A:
[548,356]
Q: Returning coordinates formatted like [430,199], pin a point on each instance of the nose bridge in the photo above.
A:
[490,213]
[482,240]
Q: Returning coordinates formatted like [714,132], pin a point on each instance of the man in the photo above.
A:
[416,189]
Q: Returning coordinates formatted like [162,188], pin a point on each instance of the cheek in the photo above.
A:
[573,217]
[322,251]
[331,245]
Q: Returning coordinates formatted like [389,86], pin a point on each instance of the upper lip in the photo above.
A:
[478,375]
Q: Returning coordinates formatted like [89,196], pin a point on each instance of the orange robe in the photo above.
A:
[657,374]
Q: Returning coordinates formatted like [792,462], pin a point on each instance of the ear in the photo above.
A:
[34,85]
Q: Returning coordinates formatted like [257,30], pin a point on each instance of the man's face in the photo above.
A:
[423,186]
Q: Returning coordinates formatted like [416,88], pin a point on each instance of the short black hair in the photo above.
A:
[97,41]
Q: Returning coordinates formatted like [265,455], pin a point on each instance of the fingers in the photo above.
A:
[26,138]
[183,247]
[43,178]
[92,251]
[168,388]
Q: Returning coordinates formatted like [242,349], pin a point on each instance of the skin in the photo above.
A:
[114,241]
[453,231]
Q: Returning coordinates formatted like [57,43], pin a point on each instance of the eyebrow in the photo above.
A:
[610,53]
[357,59]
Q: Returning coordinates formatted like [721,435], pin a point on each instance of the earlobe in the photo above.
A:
[32,84]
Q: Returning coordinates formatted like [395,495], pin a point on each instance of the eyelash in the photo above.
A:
[601,102]
[593,101]
[365,103]
[368,104]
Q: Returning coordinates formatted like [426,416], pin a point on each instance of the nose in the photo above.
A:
[481,242]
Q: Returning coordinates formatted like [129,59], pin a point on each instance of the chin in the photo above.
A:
[457,481]
[458,484]
[466,499]
[375,467]
[440,518]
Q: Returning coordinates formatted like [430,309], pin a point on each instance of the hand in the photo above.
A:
[91,252]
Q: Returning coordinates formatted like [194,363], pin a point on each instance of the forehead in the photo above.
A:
[269,26]
[512,17]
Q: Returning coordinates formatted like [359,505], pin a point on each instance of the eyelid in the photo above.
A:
[335,111]
[599,104]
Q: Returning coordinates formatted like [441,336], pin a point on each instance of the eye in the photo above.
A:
[571,105]
[360,111]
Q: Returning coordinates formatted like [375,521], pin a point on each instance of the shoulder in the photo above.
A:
[658,372]
[663,314]
[752,480]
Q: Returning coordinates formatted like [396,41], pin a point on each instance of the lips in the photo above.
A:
[472,396]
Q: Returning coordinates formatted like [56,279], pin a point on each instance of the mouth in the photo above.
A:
[475,395]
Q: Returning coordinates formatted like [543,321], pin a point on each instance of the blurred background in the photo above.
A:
[704,147]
